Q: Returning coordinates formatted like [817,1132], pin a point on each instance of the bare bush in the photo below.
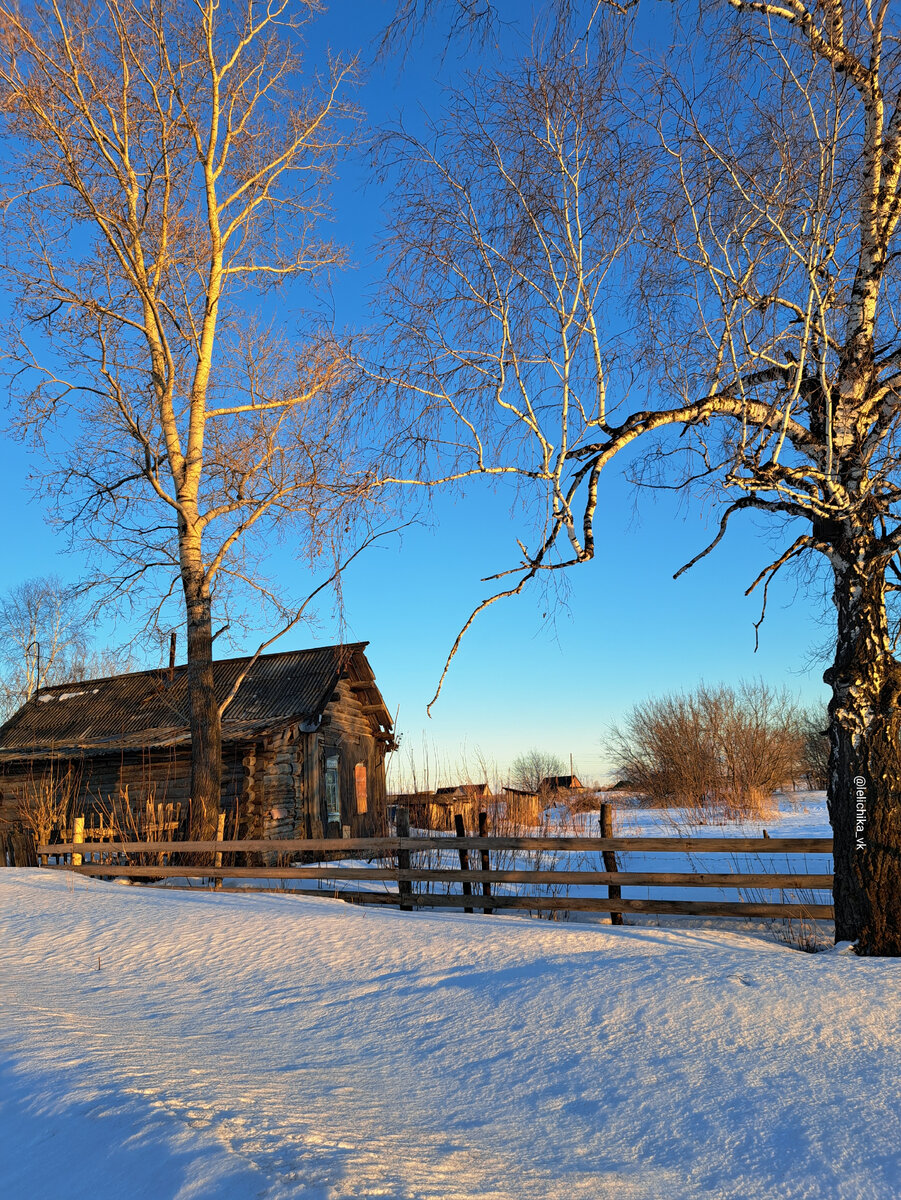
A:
[587,801]
[716,751]
[814,722]
[48,801]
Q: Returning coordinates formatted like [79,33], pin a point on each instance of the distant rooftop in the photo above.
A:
[561,783]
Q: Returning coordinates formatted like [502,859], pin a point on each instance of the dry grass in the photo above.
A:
[49,800]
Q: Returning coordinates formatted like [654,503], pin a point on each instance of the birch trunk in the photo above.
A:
[206,726]
[865,764]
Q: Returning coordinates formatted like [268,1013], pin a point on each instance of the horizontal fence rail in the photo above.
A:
[627,878]
[389,845]
[189,863]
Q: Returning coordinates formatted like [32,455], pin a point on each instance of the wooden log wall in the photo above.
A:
[101,782]
[348,728]
[280,786]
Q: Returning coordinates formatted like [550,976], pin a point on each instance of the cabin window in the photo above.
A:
[332,789]
[360,786]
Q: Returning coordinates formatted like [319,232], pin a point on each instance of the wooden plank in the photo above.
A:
[697,908]
[77,837]
[386,899]
[385,846]
[407,875]
[660,907]
[535,903]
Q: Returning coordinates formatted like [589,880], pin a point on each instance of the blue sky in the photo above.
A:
[522,678]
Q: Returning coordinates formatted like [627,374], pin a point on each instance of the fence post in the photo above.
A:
[404,886]
[464,855]
[614,891]
[77,836]
[486,858]
[21,847]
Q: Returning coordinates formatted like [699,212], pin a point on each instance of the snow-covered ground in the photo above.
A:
[222,1047]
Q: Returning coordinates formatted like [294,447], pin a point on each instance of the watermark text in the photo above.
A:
[860,809]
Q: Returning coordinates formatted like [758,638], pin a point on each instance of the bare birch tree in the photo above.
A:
[170,162]
[46,638]
[529,770]
[723,240]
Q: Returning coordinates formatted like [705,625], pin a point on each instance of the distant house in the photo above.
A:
[439,809]
[304,744]
[560,783]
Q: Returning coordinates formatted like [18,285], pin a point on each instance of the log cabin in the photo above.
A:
[304,745]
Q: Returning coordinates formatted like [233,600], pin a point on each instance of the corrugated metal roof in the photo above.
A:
[150,708]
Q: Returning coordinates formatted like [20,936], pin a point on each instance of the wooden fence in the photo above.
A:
[399,870]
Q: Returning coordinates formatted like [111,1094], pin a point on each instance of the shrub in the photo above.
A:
[717,751]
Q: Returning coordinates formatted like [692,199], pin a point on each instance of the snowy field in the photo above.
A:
[226,1047]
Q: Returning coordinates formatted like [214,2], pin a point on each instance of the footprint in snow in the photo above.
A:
[742,980]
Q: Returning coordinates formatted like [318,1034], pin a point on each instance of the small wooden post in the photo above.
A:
[614,891]
[404,886]
[217,857]
[77,836]
[464,855]
[486,857]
